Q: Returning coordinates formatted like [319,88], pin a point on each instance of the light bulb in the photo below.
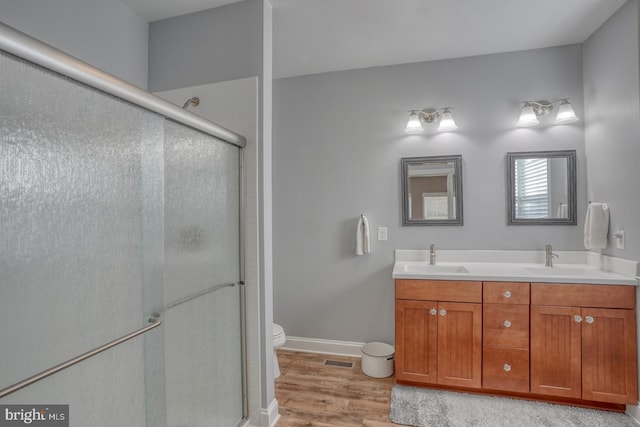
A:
[414,125]
[527,117]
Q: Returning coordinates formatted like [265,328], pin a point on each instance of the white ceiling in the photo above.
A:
[154,10]
[314,36]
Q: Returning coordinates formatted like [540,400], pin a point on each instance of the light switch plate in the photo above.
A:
[382,234]
[619,239]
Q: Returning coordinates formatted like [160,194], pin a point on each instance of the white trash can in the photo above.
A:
[377,359]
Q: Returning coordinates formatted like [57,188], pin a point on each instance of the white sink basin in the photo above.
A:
[560,271]
[434,269]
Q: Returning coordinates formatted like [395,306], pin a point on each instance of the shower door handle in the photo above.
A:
[153,323]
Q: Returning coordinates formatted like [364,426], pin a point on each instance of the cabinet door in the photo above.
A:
[609,372]
[556,351]
[416,341]
[460,344]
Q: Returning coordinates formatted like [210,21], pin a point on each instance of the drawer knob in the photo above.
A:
[507,324]
[589,319]
[506,294]
[433,311]
[577,318]
[506,367]
[443,312]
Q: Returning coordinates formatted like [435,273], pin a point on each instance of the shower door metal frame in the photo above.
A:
[243,296]
[30,49]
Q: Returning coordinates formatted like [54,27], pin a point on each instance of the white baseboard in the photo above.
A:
[267,417]
[313,345]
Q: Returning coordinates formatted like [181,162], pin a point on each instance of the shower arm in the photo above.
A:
[195,101]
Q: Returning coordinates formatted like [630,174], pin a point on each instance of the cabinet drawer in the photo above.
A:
[506,325]
[571,295]
[505,292]
[439,290]
[505,369]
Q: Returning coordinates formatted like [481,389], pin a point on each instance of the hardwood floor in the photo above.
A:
[312,394]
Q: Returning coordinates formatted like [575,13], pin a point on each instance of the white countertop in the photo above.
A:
[515,266]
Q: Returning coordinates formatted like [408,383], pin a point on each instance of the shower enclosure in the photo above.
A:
[121,288]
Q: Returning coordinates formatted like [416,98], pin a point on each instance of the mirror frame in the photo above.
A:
[511,158]
[457,164]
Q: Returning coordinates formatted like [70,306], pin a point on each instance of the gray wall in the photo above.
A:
[612,133]
[103,33]
[211,46]
[337,144]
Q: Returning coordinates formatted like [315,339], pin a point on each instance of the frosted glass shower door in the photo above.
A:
[202,317]
[72,269]
[111,214]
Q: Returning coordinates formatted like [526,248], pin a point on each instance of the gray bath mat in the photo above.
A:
[422,407]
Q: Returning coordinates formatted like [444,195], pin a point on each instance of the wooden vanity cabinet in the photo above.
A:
[568,343]
[583,342]
[439,332]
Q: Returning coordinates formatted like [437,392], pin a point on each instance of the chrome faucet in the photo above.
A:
[549,256]
[432,254]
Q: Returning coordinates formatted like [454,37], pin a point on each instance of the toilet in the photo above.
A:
[279,339]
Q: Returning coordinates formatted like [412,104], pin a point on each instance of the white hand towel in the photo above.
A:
[363,241]
[596,226]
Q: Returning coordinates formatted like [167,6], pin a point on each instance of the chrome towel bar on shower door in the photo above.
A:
[198,294]
[153,323]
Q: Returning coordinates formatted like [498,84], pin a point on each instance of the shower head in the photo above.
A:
[195,101]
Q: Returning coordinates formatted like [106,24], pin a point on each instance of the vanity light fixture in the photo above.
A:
[533,110]
[417,118]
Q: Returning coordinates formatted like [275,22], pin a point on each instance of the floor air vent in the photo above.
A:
[338,363]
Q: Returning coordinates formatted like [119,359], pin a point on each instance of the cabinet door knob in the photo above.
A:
[433,311]
[506,294]
[443,312]
[506,367]
[589,319]
[507,324]
[577,318]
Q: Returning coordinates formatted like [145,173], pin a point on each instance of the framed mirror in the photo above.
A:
[432,190]
[541,188]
